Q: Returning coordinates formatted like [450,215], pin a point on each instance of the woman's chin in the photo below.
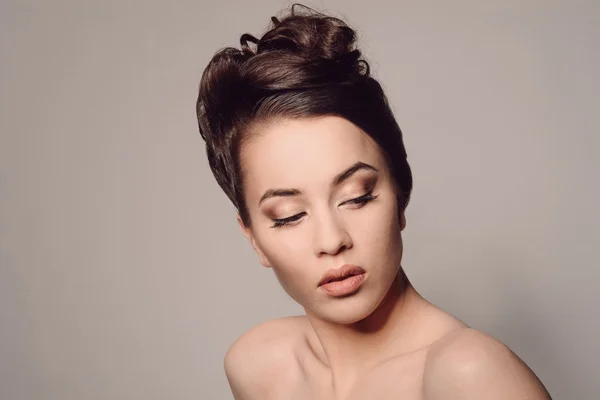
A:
[345,312]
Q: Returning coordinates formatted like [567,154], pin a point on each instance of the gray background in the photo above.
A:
[122,271]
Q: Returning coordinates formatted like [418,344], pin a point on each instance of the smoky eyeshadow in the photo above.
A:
[366,180]
[370,181]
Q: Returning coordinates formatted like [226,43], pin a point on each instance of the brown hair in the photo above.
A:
[305,65]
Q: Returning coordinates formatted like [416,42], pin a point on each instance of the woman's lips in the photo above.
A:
[340,273]
[344,286]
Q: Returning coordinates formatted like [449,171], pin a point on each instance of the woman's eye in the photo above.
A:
[284,221]
[359,201]
[362,200]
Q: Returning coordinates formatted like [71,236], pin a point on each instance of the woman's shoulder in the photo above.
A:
[474,362]
[265,350]
[269,339]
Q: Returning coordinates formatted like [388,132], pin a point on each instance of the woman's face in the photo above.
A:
[320,195]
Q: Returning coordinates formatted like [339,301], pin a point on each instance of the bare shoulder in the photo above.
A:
[263,355]
[470,364]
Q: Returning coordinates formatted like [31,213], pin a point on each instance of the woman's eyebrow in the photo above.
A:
[278,193]
[336,181]
[341,177]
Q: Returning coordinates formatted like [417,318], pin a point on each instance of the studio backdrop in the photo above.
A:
[123,273]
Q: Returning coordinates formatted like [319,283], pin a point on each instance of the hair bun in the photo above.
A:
[313,38]
[303,50]
[310,34]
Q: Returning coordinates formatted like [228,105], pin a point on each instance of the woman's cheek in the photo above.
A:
[290,246]
[379,226]
[289,257]
[294,282]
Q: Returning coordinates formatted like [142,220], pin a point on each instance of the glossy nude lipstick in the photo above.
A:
[342,281]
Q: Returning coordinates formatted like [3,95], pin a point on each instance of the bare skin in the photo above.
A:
[383,341]
[432,356]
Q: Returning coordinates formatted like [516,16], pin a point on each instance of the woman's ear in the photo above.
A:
[402,220]
[246,231]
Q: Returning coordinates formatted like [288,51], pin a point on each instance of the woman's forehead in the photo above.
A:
[305,152]
[327,138]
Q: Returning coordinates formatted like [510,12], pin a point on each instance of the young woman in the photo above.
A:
[300,137]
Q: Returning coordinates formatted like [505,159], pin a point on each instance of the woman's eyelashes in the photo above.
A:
[286,221]
[362,200]
[357,202]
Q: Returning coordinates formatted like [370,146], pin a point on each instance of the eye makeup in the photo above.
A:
[279,222]
[368,186]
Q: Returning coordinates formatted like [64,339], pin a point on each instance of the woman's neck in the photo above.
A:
[347,350]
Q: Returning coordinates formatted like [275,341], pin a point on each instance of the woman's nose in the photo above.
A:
[331,237]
